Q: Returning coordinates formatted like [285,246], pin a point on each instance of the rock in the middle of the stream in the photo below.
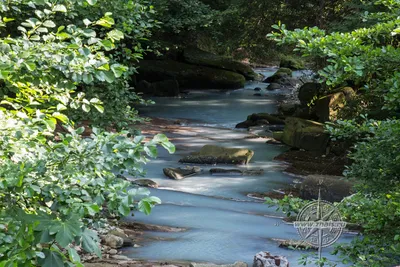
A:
[210,154]
[181,173]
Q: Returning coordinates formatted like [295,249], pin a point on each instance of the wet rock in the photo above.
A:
[274,86]
[273,142]
[295,244]
[333,188]
[291,63]
[210,154]
[113,241]
[219,171]
[257,89]
[327,107]
[236,264]
[257,95]
[260,119]
[265,259]
[308,92]
[146,183]
[181,173]
[305,134]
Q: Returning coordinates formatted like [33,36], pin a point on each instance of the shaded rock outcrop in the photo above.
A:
[327,107]
[210,154]
[188,75]
[291,63]
[181,173]
[258,119]
[333,188]
[199,57]
[309,91]
[305,134]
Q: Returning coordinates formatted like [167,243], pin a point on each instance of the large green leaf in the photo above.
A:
[90,242]
[52,259]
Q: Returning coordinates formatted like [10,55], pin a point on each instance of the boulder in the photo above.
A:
[274,86]
[265,259]
[199,57]
[283,77]
[305,134]
[113,241]
[210,154]
[277,135]
[297,244]
[181,173]
[146,183]
[308,92]
[120,233]
[189,76]
[259,119]
[287,109]
[327,107]
[291,63]
[333,188]
[257,89]
[218,171]
[284,71]
[257,94]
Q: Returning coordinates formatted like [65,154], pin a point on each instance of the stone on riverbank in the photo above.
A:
[305,134]
[327,107]
[210,154]
[145,183]
[265,259]
[295,244]
[189,76]
[113,241]
[333,188]
[291,63]
[181,173]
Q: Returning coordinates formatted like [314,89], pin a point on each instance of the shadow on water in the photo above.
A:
[224,225]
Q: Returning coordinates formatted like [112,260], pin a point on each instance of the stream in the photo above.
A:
[224,225]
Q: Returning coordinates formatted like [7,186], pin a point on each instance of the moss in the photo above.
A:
[202,58]
[292,63]
[284,71]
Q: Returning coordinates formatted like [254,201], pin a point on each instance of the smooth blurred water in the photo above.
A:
[224,225]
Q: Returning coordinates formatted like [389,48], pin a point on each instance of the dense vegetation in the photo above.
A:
[63,62]
[368,59]
[67,100]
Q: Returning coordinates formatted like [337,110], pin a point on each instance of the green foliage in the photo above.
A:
[289,205]
[367,58]
[56,186]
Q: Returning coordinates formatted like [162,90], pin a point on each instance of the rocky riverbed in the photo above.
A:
[222,213]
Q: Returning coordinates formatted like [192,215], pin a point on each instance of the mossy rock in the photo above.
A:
[328,107]
[189,76]
[284,71]
[292,63]
[277,135]
[199,57]
[332,188]
[210,154]
[305,134]
[309,91]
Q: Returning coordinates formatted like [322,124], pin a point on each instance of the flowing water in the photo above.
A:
[224,225]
